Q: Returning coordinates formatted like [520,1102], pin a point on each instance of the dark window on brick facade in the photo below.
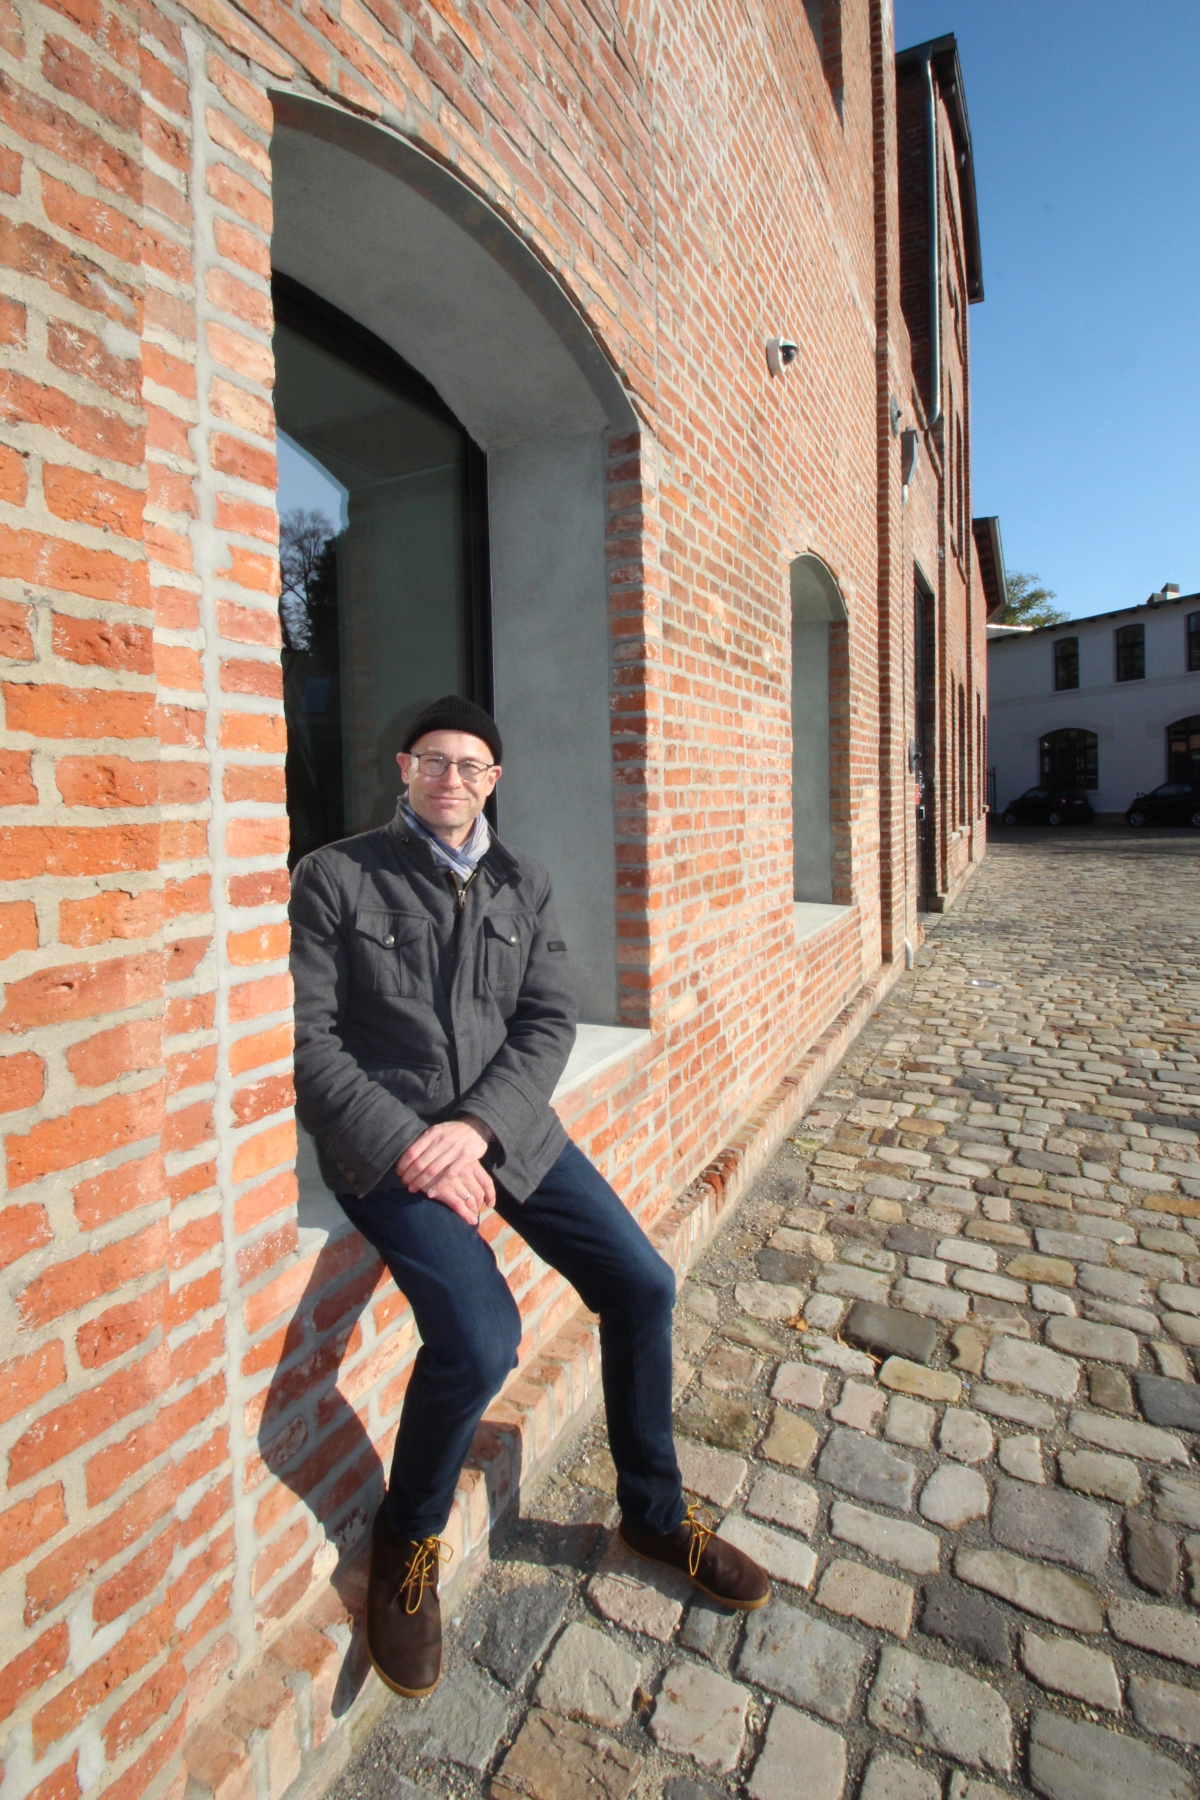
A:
[1130,641]
[384,556]
[1069,759]
[825,20]
[1066,664]
[1193,641]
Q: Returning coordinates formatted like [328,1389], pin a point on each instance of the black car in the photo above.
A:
[1049,806]
[1174,803]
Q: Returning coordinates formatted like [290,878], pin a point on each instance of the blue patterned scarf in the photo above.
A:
[462,861]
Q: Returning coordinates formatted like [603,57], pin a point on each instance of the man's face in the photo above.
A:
[448,804]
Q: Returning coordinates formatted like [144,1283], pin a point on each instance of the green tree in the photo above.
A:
[1029,603]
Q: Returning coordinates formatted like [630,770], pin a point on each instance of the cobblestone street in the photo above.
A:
[939,1375]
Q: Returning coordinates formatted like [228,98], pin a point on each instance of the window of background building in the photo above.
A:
[383,556]
[1069,759]
[1130,643]
[1193,641]
[1183,749]
[1066,664]
[962,754]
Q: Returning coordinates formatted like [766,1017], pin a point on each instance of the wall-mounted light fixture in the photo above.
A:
[781,354]
[910,445]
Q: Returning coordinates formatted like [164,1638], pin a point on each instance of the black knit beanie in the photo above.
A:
[453,713]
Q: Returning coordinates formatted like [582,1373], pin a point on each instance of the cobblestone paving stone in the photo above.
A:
[940,1374]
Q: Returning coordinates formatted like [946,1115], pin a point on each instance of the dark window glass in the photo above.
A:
[1069,759]
[1183,750]
[1131,652]
[1066,664]
[1193,641]
[380,552]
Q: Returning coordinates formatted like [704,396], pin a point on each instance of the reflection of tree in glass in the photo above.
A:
[308,573]
[308,614]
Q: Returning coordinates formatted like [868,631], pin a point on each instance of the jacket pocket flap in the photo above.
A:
[389,929]
[508,927]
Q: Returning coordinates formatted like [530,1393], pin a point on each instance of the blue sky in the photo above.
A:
[1086,350]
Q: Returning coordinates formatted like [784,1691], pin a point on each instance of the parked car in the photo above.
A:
[1174,803]
[1049,806]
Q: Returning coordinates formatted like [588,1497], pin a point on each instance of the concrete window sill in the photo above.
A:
[598,1047]
[812,916]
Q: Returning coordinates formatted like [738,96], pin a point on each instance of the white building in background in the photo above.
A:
[1110,704]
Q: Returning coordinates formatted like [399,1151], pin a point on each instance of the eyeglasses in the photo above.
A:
[433,766]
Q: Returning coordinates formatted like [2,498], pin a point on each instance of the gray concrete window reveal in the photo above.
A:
[818,609]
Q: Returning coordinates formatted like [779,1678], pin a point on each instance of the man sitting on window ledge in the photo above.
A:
[434,1016]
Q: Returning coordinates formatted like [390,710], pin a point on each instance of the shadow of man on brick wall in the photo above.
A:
[313,1435]
[326,1427]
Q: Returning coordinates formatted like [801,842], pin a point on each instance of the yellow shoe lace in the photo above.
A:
[423,1570]
[700,1521]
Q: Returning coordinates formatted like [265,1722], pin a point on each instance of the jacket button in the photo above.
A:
[512,940]
[388,942]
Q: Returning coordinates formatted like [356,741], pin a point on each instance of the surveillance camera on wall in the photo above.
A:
[781,354]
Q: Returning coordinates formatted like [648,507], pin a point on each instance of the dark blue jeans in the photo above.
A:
[470,1330]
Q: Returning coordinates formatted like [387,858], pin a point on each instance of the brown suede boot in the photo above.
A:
[717,1568]
[404,1619]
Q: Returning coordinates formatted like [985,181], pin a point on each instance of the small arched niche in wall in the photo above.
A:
[819,621]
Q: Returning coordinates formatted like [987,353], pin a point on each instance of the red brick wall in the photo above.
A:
[199,1387]
[938,516]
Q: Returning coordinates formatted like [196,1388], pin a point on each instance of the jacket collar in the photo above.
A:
[498,860]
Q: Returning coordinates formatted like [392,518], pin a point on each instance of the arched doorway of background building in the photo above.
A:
[1069,759]
[1183,750]
[383,554]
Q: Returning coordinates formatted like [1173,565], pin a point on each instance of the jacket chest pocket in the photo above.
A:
[391,951]
[506,941]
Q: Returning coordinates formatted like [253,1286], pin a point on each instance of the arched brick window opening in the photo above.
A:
[925,720]
[505,370]
[820,700]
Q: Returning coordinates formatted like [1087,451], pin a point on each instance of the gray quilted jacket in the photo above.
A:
[412,1007]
